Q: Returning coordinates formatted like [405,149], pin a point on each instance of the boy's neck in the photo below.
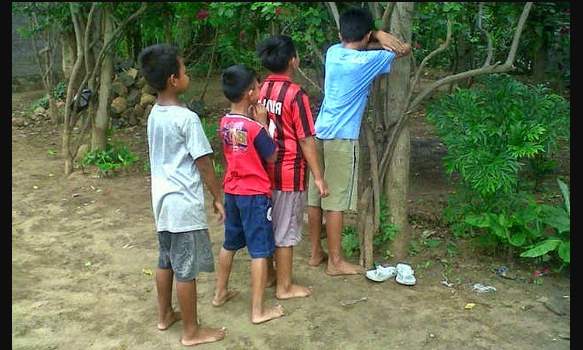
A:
[168,98]
[288,73]
[356,45]
[241,108]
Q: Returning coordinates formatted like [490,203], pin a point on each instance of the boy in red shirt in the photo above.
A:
[247,147]
[292,128]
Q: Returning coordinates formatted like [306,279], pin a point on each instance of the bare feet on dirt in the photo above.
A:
[294,291]
[343,268]
[222,298]
[268,314]
[203,335]
[169,319]
[318,259]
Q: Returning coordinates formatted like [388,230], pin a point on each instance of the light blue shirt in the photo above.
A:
[349,75]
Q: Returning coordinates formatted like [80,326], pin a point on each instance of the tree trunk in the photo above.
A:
[54,111]
[98,138]
[540,59]
[397,179]
[69,53]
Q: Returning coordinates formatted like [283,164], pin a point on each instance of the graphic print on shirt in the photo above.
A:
[235,136]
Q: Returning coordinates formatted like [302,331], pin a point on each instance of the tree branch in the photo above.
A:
[492,68]
[440,49]
[387,14]
[488,36]
[310,80]
[334,11]
[315,49]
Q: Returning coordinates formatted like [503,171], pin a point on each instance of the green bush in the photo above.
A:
[59,91]
[114,157]
[491,133]
[210,128]
[41,102]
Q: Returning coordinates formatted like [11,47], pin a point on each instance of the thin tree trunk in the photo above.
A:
[98,138]
[397,177]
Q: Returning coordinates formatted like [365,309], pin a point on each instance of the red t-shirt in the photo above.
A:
[245,145]
[288,108]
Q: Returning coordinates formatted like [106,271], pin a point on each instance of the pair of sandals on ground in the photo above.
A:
[403,274]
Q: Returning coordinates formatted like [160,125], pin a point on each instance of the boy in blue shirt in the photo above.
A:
[351,67]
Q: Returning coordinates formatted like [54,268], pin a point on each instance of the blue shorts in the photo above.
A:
[248,223]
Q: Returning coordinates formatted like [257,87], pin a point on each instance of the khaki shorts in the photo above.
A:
[339,162]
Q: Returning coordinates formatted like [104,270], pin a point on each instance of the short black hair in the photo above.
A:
[158,63]
[355,24]
[236,81]
[275,52]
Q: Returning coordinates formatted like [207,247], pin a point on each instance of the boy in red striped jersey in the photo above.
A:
[247,147]
[292,127]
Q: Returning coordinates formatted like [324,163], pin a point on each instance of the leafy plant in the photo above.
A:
[558,218]
[210,128]
[114,157]
[41,102]
[350,241]
[387,230]
[59,91]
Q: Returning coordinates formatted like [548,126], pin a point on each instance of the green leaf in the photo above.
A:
[556,217]
[565,192]
[517,239]
[481,221]
[565,251]
[541,248]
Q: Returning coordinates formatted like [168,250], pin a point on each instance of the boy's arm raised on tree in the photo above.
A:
[207,172]
[387,41]
[308,146]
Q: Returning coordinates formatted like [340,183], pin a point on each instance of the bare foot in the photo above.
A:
[318,259]
[294,291]
[169,319]
[343,268]
[222,298]
[268,314]
[203,335]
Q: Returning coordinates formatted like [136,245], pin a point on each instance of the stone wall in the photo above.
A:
[25,70]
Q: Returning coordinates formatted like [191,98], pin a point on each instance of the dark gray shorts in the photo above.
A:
[186,253]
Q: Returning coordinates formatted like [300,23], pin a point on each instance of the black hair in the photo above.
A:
[237,80]
[158,63]
[355,24]
[275,52]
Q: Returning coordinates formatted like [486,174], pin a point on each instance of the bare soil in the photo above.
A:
[84,248]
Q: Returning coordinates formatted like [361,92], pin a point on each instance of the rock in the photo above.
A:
[147,89]
[129,116]
[119,89]
[60,104]
[147,99]
[147,112]
[132,72]
[83,150]
[40,111]
[126,79]
[139,112]
[141,83]
[19,122]
[119,105]
[133,97]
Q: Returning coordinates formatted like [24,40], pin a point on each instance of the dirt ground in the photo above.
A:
[83,248]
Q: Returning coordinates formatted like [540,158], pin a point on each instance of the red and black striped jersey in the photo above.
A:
[288,108]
